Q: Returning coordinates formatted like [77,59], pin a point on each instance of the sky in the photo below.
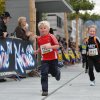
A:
[97,7]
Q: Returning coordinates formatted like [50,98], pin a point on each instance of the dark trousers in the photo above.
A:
[93,62]
[47,67]
[84,58]
[85,61]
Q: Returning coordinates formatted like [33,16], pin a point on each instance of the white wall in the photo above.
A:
[53,23]
[17,8]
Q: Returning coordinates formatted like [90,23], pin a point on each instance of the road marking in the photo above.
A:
[62,86]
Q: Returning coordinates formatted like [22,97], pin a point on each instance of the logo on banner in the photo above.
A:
[4,55]
[16,56]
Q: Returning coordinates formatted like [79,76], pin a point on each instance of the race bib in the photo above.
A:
[44,50]
[93,52]
[83,51]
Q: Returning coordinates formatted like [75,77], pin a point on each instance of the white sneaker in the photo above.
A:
[92,83]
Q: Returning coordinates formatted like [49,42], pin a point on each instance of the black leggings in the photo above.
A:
[93,62]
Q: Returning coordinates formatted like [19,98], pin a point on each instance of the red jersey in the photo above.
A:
[48,54]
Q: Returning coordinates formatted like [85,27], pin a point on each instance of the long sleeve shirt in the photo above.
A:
[3,27]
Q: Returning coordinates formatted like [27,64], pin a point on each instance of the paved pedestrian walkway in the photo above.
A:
[74,85]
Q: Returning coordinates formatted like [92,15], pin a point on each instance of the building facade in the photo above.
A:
[19,8]
[57,23]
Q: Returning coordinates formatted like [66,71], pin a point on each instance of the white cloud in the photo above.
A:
[97,7]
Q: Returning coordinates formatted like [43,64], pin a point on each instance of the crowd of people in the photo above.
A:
[54,50]
[67,55]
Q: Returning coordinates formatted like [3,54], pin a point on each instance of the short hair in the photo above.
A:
[92,26]
[20,20]
[44,23]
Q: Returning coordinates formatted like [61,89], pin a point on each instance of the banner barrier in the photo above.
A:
[16,55]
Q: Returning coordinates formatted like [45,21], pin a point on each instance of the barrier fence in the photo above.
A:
[16,56]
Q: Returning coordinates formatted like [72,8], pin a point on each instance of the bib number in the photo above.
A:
[83,51]
[44,50]
[93,52]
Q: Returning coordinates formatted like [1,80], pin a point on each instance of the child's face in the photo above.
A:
[43,29]
[92,31]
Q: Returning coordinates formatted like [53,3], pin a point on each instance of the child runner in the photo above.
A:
[84,55]
[48,46]
[93,49]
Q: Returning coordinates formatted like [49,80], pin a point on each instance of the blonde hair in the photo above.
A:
[46,23]
[20,19]
[92,26]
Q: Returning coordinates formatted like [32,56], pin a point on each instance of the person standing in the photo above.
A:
[93,48]
[22,32]
[4,19]
[48,46]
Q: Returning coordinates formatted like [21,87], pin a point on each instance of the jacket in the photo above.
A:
[21,33]
[3,27]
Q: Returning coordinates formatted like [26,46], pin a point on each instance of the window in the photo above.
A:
[59,22]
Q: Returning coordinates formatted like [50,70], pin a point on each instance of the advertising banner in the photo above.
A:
[16,55]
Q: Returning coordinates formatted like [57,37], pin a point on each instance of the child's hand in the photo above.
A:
[35,52]
[47,47]
[35,36]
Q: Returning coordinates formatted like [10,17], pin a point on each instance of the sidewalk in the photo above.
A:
[74,85]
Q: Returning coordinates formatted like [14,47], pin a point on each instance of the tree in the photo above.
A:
[78,5]
[2,6]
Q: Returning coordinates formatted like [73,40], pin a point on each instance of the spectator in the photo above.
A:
[23,33]
[21,30]
[51,31]
[4,19]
